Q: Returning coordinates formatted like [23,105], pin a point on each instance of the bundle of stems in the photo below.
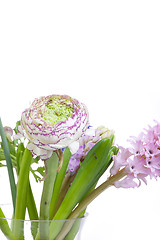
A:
[64,195]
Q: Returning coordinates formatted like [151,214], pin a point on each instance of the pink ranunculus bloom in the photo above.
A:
[52,123]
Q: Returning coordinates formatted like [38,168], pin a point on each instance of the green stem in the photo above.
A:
[31,205]
[86,201]
[96,192]
[70,232]
[58,182]
[88,174]
[75,228]
[9,164]
[5,227]
[64,188]
[32,211]
[52,166]
[22,190]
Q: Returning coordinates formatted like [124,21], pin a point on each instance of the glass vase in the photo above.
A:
[68,229]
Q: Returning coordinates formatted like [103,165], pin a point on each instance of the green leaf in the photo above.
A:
[90,171]
[35,160]
[19,155]
[86,177]
[5,227]
[22,189]
[2,157]
[40,170]
[9,164]
[18,123]
[11,148]
[32,211]
[2,165]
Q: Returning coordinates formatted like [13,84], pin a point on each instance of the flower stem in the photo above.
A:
[22,190]
[58,182]
[75,228]
[96,192]
[68,179]
[5,227]
[9,164]
[89,172]
[73,225]
[86,201]
[31,205]
[48,185]
[32,211]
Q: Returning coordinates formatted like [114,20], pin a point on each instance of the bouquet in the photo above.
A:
[56,130]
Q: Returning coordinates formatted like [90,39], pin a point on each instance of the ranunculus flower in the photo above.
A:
[52,123]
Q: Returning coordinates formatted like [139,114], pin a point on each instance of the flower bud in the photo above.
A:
[9,133]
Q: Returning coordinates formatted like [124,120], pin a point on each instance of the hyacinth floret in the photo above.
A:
[86,142]
[140,160]
[52,123]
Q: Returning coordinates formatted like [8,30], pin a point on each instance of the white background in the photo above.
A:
[107,55]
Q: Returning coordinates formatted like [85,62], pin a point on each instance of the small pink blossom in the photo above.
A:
[137,144]
[74,161]
[120,160]
[127,182]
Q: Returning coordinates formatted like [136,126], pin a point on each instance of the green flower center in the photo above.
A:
[57,110]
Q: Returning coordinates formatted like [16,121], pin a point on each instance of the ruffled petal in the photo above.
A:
[54,122]
[74,147]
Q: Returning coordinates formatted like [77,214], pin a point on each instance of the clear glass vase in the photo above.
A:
[13,229]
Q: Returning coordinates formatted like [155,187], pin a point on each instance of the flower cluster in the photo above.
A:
[50,126]
[86,142]
[142,159]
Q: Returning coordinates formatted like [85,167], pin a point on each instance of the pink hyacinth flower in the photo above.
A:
[144,160]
